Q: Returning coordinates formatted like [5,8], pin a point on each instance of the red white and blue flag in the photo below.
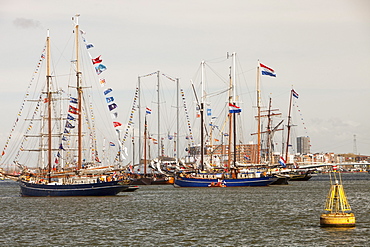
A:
[267,71]
[282,162]
[295,94]
[234,108]
[148,111]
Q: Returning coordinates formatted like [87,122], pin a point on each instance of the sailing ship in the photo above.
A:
[148,169]
[294,174]
[338,209]
[231,175]
[67,163]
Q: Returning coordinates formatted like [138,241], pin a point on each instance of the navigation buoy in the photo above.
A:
[338,209]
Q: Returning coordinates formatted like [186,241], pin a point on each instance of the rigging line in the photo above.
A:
[213,60]
[217,74]
[153,73]
[217,93]
[36,71]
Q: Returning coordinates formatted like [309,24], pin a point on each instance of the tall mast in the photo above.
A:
[145,143]
[159,119]
[48,91]
[139,108]
[230,122]
[258,115]
[202,120]
[177,121]
[288,126]
[79,94]
[233,80]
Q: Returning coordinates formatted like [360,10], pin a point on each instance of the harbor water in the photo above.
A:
[279,215]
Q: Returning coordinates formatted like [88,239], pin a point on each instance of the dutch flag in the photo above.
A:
[234,108]
[295,94]
[148,111]
[267,71]
[282,162]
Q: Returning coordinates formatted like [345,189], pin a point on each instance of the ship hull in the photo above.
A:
[237,182]
[93,189]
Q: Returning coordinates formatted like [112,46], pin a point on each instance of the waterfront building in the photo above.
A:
[303,145]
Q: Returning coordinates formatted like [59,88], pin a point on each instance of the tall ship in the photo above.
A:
[58,151]
[229,174]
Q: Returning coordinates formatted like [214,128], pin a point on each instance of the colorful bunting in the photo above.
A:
[97,60]
[116,124]
[112,106]
[100,68]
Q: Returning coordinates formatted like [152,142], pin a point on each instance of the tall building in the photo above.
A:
[303,145]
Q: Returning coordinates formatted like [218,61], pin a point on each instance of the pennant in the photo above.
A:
[73,100]
[66,131]
[73,110]
[109,99]
[116,124]
[58,155]
[209,112]
[267,71]
[56,161]
[108,91]
[97,60]
[100,68]
[69,125]
[70,117]
[102,82]
[234,108]
[88,46]
[61,146]
[64,138]
[115,115]
[170,137]
[112,106]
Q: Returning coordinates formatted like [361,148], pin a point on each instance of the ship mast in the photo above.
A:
[79,93]
[258,115]
[288,126]
[202,121]
[48,91]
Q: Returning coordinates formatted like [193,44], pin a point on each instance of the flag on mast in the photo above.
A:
[267,71]
[234,108]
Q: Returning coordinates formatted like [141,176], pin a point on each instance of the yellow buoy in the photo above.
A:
[337,207]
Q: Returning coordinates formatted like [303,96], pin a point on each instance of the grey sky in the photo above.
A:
[322,48]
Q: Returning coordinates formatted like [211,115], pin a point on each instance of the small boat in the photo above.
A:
[220,183]
[338,209]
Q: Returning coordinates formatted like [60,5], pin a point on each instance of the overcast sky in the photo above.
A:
[322,48]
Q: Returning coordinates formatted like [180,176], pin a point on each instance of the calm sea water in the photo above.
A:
[281,215]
